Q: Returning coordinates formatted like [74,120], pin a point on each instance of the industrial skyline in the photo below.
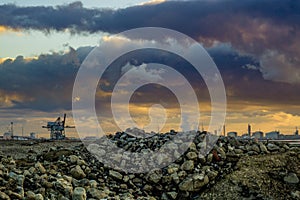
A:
[255,45]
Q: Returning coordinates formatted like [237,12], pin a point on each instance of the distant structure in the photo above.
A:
[32,135]
[272,135]
[249,130]
[10,133]
[246,136]
[232,134]
[57,128]
[296,132]
[258,134]
[7,136]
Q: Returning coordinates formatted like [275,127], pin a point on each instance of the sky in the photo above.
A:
[254,43]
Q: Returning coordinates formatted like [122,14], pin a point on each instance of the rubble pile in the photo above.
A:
[74,173]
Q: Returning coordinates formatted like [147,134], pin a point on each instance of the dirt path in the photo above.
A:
[259,177]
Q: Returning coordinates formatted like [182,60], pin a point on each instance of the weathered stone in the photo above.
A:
[187,165]
[194,182]
[172,195]
[93,184]
[239,151]
[272,147]
[173,168]
[115,174]
[81,162]
[221,151]
[296,194]
[255,148]
[155,177]
[199,181]
[63,186]
[192,155]
[147,187]
[77,172]
[263,148]
[40,168]
[209,158]
[212,175]
[97,194]
[30,195]
[202,159]
[79,193]
[175,177]
[182,174]
[4,196]
[73,159]
[187,184]
[291,178]
[38,197]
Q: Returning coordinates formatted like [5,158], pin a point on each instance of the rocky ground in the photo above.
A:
[231,170]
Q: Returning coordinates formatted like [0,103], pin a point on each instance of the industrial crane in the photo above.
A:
[57,128]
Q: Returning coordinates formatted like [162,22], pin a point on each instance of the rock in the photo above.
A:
[18,178]
[63,186]
[40,168]
[187,165]
[4,196]
[15,195]
[200,180]
[221,151]
[182,175]
[212,175]
[187,184]
[272,147]
[255,148]
[192,155]
[73,159]
[126,179]
[115,174]
[93,184]
[81,162]
[79,193]
[97,194]
[172,195]
[202,158]
[194,182]
[173,168]
[147,187]
[291,178]
[38,197]
[193,147]
[77,172]
[263,148]
[155,176]
[175,178]
[30,195]
[210,158]
[296,194]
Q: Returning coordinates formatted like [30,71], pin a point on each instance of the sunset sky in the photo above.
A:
[254,43]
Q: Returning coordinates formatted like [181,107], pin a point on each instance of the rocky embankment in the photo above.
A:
[231,170]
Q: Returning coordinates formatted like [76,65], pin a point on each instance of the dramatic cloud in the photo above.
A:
[44,83]
[253,27]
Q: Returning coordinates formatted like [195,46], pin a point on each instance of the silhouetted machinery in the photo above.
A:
[57,128]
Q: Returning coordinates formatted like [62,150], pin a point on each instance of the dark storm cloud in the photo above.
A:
[196,18]
[266,30]
[46,83]
[43,84]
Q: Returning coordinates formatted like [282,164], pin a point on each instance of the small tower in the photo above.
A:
[12,129]
[296,132]
[249,130]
